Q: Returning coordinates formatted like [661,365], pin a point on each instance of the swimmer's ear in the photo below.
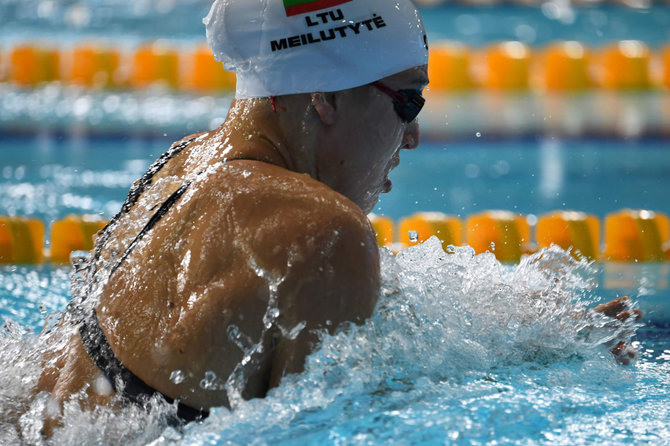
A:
[324,104]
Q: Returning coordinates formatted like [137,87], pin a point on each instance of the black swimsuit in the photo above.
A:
[93,338]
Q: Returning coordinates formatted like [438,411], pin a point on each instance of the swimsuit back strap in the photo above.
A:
[98,348]
[135,191]
[133,388]
[155,218]
[162,210]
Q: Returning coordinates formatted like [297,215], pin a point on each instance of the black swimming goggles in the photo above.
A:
[407,103]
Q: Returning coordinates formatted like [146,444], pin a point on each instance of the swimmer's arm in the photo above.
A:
[621,310]
[618,309]
[334,280]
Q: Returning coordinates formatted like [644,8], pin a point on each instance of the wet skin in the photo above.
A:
[284,228]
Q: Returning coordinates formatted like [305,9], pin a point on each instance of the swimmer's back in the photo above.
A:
[193,294]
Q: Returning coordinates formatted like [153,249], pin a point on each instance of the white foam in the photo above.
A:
[451,327]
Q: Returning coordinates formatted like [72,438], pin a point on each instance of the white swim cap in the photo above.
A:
[280,47]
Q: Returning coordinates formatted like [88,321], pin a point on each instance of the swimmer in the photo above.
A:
[240,244]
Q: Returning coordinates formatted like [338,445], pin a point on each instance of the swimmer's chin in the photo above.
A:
[387,186]
[371,199]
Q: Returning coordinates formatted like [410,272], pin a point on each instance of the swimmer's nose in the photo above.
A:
[410,139]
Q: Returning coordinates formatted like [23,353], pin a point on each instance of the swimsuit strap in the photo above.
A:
[163,209]
[134,194]
[75,306]
[133,388]
[137,189]
[98,348]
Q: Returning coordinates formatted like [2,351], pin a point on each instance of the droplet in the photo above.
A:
[413,236]
[177,376]
[295,331]
[270,317]
[478,134]
[102,386]
[209,382]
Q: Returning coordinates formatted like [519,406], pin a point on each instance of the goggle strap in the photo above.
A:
[397,97]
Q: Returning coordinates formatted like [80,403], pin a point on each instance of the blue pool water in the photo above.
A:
[48,178]
[459,351]
[134,21]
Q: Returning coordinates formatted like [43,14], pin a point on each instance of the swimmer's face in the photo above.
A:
[366,141]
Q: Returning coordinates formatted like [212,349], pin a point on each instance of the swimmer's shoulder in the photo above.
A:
[190,139]
[292,213]
[279,190]
[318,246]
[325,239]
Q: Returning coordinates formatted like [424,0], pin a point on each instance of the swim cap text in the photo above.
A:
[343,31]
[325,16]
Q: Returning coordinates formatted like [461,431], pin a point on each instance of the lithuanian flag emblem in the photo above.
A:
[295,7]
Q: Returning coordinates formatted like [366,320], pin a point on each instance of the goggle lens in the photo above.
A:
[407,103]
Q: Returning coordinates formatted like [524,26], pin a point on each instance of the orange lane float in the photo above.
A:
[31,65]
[384,228]
[421,226]
[665,56]
[206,74]
[508,66]
[73,233]
[504,233]
[625,66]
[95,66]
[637,235]
[155,64]
[21,240]
[577,231]
[449,68]
[565,67]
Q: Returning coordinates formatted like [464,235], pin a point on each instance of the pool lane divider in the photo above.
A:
[566,67]
[73,233]
[21,240]
[631,235]
[502,89]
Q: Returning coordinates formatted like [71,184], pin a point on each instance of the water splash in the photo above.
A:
[177,376]
[459,347]
[413,236]
[211,382]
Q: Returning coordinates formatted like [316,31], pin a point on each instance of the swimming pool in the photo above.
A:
[49,177]
[457,352]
